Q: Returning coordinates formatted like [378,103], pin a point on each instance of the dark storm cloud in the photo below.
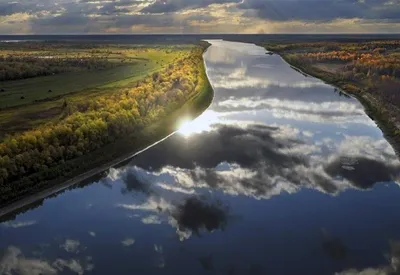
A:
[115,8]
[91,24]
[156,20]
[321,10]
[163,6]
[200,17]
[66,22]
[96,16]
[104,15]
[111,8]
[83,7]
[67,19]
[10,8]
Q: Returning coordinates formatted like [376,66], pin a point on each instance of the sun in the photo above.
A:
[188,127]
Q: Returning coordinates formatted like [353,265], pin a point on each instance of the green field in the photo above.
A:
[37,89]
[27,103]
[138,65]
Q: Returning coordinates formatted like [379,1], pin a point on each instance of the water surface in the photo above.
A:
[283,174]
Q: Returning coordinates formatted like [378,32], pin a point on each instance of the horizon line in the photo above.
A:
[113,34]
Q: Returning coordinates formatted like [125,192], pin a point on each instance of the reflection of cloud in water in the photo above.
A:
[135,183]
[71,246]
[229,143]
[187,214]
[153,204]
[151,219]
[240,78]
[18,224]
[334,247]
[207,262]
[176,189]
[337,112]
[249,85]
[74,265]
[262,161]
[195,215]
[160,262]
[128,242]
[158,248]
[328,108]
[226,52]
[392,267]
[245,158]
[354,172]
[14,262]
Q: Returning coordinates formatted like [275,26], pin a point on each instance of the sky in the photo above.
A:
[199,16]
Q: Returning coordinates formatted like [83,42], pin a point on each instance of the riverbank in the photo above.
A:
[60,177]
[386,116]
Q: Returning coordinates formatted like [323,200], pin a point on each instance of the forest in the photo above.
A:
[369,70]
[49,150]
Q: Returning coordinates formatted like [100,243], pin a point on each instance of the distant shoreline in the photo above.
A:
[373,108]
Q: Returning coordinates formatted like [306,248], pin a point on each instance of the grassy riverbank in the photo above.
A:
[369,71]
[110,135]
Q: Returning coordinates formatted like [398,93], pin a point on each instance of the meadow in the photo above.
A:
[43,97]
[55,70]
[93,114]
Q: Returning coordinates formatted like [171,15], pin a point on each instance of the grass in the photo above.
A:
[32,90]
[37,89]
[40,106]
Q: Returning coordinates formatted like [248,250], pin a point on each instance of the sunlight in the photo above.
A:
[186,128]
[202,123]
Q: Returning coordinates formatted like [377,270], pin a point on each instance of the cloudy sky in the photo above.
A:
[199,16]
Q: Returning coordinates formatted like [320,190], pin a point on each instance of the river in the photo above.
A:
[283,174]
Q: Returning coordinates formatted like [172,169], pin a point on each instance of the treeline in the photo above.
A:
[377,65]
[342,56]
[368,64]
[372,61]
[89,125]
[325,46]
[13,68]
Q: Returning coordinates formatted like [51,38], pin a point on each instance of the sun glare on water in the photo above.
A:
[202,123]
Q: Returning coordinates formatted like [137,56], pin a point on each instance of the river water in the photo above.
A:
[283,174]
